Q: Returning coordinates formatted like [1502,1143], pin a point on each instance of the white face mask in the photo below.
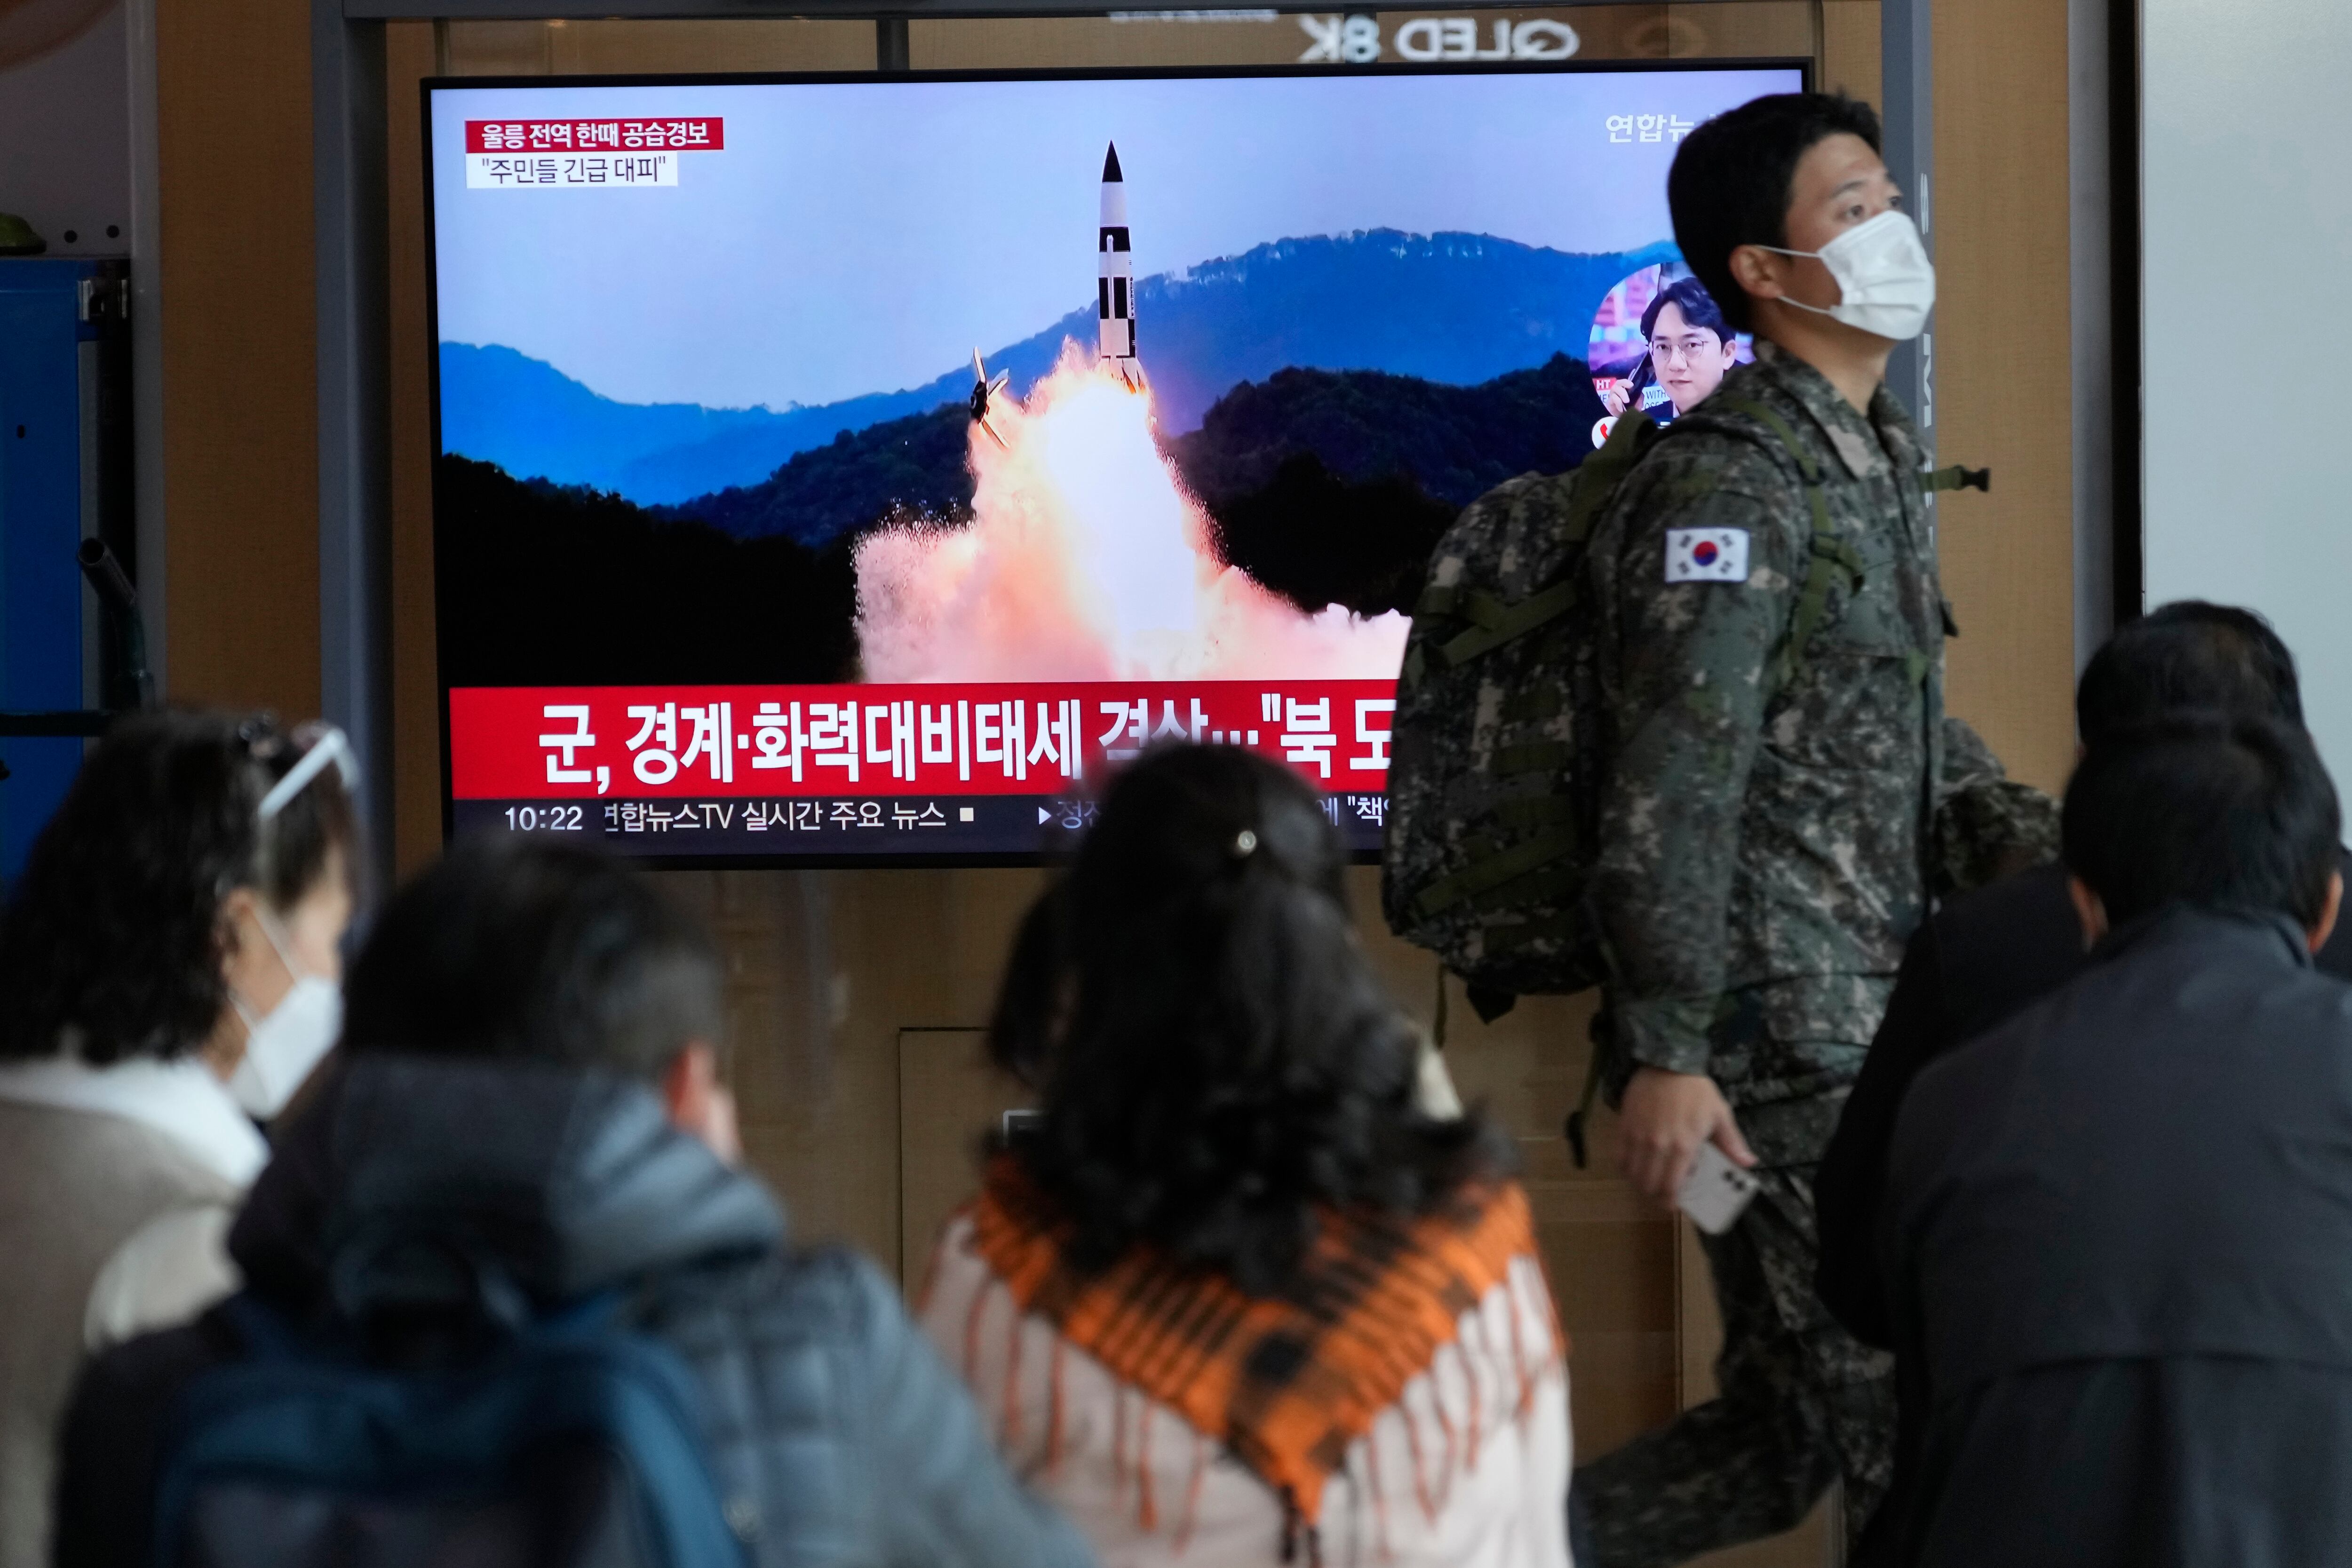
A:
[281,1047]
[1886,283]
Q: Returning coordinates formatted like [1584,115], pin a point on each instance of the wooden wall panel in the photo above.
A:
[2003,375]
[240,340]
[827,969]
[611,47]
[1851,60]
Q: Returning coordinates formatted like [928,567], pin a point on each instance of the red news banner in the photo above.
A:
[693,135]
[542,154]
[583,742]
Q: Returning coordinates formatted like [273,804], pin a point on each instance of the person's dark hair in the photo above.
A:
[2227,812]
[1729,185]
[111,942]
[2188,654]
[1217,1059]
[517,948]
[1699,309]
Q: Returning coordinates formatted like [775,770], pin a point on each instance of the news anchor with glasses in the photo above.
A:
[1691,348]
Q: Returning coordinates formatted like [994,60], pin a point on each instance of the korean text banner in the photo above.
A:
[568,742]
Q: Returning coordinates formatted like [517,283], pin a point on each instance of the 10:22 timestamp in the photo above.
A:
[544,818]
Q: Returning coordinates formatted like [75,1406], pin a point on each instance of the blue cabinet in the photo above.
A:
[64,478]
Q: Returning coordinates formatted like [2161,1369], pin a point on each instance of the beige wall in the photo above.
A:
[240,426]
[2003,375]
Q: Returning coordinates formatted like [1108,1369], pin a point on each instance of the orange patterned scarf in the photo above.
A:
[1287,1382]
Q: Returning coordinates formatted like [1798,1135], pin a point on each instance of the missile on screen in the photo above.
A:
[984,390]
[1114,276]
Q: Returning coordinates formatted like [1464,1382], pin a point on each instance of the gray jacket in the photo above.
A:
[836,1435]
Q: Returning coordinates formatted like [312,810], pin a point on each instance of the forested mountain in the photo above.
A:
[1455,309]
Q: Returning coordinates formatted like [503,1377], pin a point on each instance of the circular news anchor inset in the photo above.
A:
[1659,343]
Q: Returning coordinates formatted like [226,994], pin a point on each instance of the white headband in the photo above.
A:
[332,746]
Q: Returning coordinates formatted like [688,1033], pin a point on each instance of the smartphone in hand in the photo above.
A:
[1715,1191]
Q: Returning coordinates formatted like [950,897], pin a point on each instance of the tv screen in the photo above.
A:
[835,469]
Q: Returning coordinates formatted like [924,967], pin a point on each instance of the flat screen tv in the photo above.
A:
[848,469]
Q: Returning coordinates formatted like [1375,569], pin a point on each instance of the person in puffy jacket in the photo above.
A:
[168,961]
[531,1070]
[1241,1296]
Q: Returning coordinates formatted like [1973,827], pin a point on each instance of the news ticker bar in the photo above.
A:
[877,826]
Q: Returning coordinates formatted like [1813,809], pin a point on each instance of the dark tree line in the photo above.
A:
[540,584]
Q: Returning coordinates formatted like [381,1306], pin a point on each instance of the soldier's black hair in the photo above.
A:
[539,951]
[1217,1061]
[2188,654]
[1729,185]
[2232,813]
[112,936]
[1689,296]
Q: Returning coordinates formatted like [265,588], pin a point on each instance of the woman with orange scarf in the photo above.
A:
[1236,1297]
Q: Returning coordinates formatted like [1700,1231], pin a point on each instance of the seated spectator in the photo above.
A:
[2118,1227]
[531,1081]
[1237,1298]
[1987,953]
[168,959]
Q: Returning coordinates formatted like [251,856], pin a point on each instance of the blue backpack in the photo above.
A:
[554,1441]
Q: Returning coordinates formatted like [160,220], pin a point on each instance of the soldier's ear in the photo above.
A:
[2089,910]
[1758,272]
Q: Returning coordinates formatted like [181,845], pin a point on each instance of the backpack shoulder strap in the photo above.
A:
[1600,474]
[1829,550]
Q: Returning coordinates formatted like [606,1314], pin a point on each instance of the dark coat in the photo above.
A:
[836,1435]
[1978,961]
[2117,1235]
[1975,962]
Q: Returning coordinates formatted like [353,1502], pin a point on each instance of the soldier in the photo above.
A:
[1787,794]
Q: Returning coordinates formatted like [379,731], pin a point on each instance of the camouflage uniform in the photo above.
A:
[1769,835]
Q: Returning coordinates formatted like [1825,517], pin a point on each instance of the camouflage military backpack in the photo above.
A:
[1500,751]
[1494,771]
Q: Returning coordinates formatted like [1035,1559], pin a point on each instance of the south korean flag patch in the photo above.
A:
[1706,555]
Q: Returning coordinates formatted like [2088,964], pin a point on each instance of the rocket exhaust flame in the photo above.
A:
[1087,559]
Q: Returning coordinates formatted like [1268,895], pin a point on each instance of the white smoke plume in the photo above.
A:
[1086,559]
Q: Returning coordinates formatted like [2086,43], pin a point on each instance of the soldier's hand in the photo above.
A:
[1664,1118]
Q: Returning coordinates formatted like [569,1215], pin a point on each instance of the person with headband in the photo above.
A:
[1247,1295]
[170,961]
